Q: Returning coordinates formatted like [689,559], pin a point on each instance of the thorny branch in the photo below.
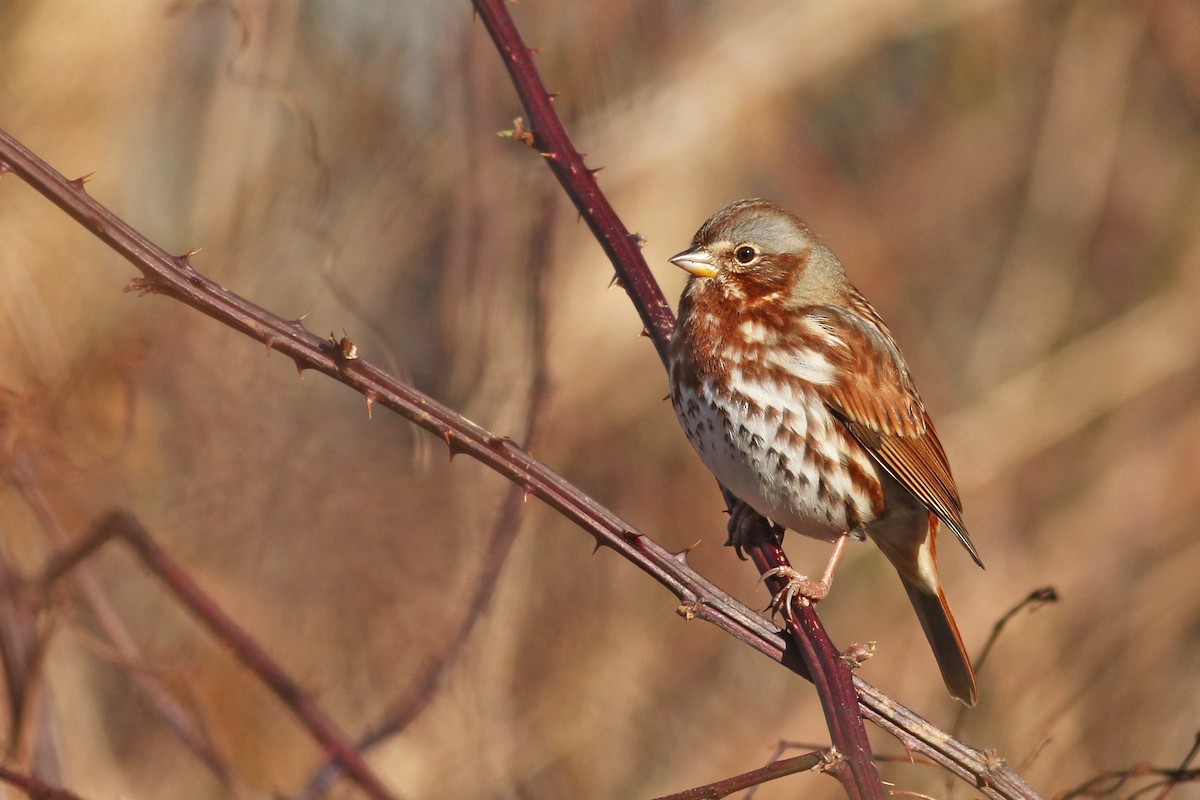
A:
[175,277]
[824,666]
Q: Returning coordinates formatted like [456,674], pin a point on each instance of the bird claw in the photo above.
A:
[798,587]
[746,526]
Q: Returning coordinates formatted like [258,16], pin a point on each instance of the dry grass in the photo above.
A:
[1015,185]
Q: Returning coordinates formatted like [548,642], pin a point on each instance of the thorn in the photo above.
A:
[81,181]
[594,170]
[681,555]
[689,610]
[552,95]
[300,367]
[525,497]
[371,398]
[184,262]
[536,51]
[668,397]
[453,444]
[644,333]
[638,239]
[270,340]
[616,281]
[630,536]
[497,442]
[4,167]
[299,321]
[550,156]
[596,548]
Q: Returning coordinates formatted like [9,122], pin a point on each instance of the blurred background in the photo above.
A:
[1015,186]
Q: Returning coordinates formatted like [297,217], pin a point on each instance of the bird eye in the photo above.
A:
[745,254]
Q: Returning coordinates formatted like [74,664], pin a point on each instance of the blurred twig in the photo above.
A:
[244,646]
[1184,769]
[1175,24]
[747,81]
[1034,600]
[1108,784]
[402,711]
[1150,343]
[1086,98]
[24,639]
[809,762]
[35,788]
[185,725]
[19,641]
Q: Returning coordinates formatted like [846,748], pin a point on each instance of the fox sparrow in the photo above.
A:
[795,395]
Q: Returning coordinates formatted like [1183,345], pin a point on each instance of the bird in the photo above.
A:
[794,393]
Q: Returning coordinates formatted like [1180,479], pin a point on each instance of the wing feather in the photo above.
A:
[877,400]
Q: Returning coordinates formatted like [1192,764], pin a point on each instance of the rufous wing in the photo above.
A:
[876,399]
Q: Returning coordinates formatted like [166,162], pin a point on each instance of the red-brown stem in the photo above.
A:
[559,153]
[829,673]
[839,701]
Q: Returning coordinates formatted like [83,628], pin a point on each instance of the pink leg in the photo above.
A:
[799,586]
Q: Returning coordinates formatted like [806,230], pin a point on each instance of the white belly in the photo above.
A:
[771,460]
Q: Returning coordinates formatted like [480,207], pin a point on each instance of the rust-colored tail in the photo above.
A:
[909,543]
[942,633]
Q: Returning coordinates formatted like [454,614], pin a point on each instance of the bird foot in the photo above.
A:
[747,526]
[797,587]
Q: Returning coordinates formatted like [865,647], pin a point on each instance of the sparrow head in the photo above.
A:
[753,248]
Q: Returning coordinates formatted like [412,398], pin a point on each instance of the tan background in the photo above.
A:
[1015,186]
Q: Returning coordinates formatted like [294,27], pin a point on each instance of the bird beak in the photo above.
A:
[697,261]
